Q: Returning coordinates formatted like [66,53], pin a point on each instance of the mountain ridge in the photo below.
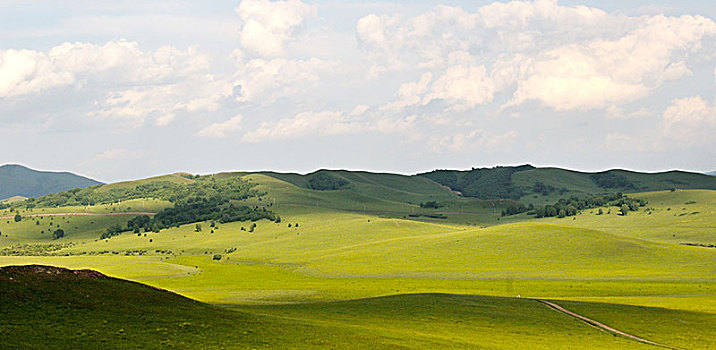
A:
[19,180]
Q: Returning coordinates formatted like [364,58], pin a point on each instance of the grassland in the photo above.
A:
[358,269]
[65,310]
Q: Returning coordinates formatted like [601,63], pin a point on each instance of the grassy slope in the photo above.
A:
[676,217]
[579,184]
[173,178]
[64,310]
[77,228]
[344,250]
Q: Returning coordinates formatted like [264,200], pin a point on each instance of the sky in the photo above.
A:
[127,89]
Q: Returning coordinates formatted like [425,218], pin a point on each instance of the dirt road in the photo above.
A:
[80,214]
[599,325]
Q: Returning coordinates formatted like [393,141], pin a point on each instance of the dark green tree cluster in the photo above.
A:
[201,209]
[430,205]
[324,181]
[517,209]
[59,233]
[196,210]
[140,222]
[611,180]
[483,183]
[546,190]
[571,206]
[112,231]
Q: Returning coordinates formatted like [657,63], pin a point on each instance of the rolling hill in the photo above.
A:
[17,180]
[528,184]
[362,259]
[48,307]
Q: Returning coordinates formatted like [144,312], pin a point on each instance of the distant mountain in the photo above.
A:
[713,173]
[17,180]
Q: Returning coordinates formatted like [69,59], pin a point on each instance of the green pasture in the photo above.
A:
[62,310]
[358,267]
[684,216]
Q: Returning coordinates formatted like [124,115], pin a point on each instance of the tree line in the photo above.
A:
[573,205]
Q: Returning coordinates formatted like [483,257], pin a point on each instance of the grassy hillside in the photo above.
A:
[51,308]
[335,270]
[674,217]
[392,187]
[47,307]
[17,180]
[336,255]
[546,185]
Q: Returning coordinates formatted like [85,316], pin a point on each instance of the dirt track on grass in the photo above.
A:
[600,326]
[80,214]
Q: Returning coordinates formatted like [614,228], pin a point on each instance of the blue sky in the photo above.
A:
[129,89]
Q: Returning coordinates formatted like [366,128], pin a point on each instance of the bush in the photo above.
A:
[430,204]
[217,257]
[59,233]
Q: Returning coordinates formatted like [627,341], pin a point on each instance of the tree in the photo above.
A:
[430,205]
[197,228]
[18,217]
[624,210]
[59,233]
[600,212]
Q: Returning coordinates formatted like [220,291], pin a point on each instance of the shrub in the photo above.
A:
[59,233]
[430,204]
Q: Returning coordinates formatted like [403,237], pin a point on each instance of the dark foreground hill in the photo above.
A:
[45,307]
[17,180]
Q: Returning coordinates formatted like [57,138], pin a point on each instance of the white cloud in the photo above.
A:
[325,123]
[137,84]
[616,112]
[474,140]
[567,57]
[600,73]
[119,154]
[303,124]
[220,130]
[268,25]
[464,87]
[411,93]
[689,120]
[269,79]
[78,64]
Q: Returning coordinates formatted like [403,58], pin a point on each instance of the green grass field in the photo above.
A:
[359,271]
[63,310]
